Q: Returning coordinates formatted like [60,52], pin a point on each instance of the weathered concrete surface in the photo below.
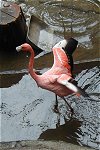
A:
[40,145]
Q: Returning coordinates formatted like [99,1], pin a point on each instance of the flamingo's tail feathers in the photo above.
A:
[72,85]
[81,92]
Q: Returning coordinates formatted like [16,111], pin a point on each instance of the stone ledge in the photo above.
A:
[40,145]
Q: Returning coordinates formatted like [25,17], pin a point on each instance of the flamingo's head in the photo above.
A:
[61,44]
[24,47]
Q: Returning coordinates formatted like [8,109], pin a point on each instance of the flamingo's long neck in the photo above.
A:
[31,63]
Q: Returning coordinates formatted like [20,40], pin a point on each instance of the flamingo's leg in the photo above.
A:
[56,105]
[71,109]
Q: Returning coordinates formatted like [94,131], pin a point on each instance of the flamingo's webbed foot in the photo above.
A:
[56,110]
[72,111]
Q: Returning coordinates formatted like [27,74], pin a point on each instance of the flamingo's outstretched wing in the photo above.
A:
[60,58]
[69,47]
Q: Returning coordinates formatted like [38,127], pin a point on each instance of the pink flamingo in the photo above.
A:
[59,78]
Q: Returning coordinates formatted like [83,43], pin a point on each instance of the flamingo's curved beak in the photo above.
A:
[18,48]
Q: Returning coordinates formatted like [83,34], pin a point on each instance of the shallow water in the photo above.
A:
[26,110]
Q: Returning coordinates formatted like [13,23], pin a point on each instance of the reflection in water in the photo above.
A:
[78,19]
[27,112]
[66,132]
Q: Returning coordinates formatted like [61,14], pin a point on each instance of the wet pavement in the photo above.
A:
[26,111]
